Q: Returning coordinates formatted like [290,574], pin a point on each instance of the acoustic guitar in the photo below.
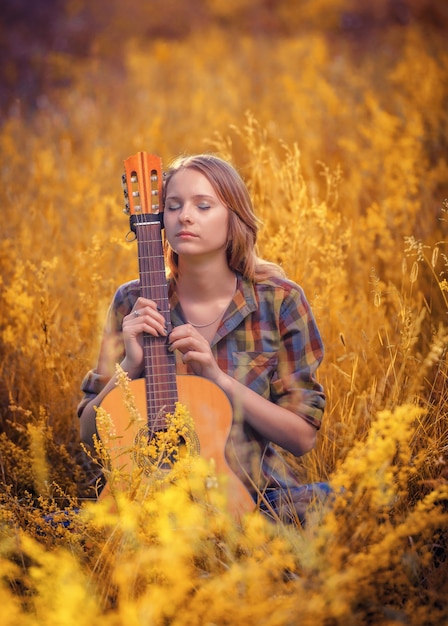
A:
[161,388]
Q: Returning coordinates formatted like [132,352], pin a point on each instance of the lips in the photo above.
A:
[186,234]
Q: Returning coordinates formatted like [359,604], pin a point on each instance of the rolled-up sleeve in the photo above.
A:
[301,352]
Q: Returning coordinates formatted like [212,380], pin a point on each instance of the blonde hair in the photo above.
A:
[243,223]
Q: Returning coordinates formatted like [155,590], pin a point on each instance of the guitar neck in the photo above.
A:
[159,363]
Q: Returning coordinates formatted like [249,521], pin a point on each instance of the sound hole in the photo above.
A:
[152,452]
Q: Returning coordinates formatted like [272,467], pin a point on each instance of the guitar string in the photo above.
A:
[153,267]
[151,344]
[143,258]
[143,269]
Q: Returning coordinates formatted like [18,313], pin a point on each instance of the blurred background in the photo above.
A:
[335,113]
[43,43]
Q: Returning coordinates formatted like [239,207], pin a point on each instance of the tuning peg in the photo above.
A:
[126,209]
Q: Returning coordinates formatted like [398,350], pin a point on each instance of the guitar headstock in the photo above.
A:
[142,184]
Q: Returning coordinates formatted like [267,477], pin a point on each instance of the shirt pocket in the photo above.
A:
[256,370]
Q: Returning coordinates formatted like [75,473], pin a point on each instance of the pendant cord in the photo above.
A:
[219,316]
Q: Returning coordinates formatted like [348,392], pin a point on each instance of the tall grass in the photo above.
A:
[345,157]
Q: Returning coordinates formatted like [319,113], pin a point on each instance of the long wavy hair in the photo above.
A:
[243,223]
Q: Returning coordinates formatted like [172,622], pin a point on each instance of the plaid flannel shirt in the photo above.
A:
[268,340]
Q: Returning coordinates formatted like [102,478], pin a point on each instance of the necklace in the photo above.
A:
[219,316]
[209,323]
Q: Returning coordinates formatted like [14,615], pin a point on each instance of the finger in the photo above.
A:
[185,344]
[147,314]
[186,339]
[143,304]
[185,331]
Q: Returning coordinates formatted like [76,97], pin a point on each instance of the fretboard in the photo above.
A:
[159,363]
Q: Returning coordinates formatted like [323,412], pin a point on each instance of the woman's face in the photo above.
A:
[196,222]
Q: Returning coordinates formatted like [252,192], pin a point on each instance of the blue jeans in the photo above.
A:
[290,505]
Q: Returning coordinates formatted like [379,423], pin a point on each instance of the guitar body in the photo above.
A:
[212,415]
[158,392]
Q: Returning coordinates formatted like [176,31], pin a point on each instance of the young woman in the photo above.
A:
[237,321]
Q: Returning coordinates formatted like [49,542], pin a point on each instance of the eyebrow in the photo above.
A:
[199,196]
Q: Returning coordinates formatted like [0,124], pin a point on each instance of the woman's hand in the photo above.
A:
[196,351]
[274,422]
[144,317]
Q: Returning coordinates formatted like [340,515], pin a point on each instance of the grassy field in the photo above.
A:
[336,118]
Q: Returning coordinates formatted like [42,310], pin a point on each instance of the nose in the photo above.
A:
[185,215]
